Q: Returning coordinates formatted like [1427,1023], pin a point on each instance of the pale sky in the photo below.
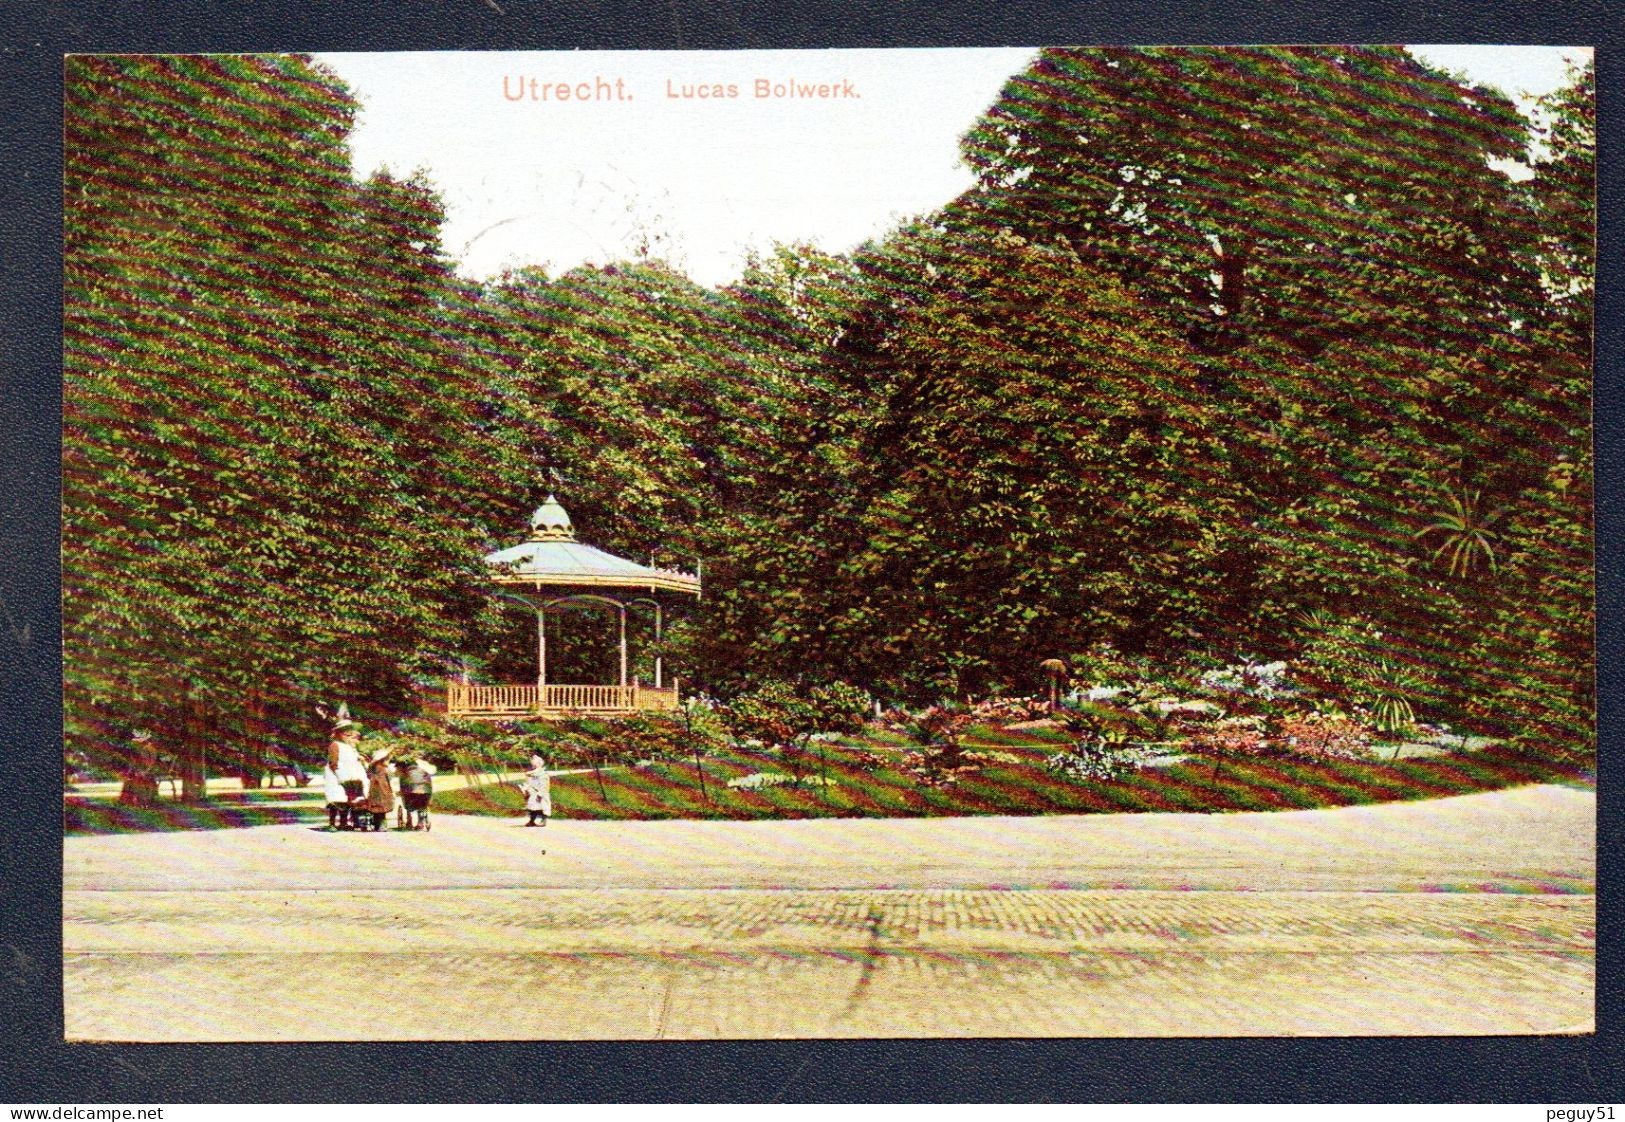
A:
[530,179]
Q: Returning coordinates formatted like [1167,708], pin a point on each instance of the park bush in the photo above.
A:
[1098,760]
[1228,738]
[1010,710]
[1320,736]
[647,736]
[792,722]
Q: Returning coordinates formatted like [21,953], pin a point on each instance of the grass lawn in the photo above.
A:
[1015,783]
[1012,782]
[223,810]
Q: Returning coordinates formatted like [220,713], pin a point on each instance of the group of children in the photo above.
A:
[361,795]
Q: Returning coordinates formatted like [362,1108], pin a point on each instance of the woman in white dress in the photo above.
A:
[344,777]
[338,803]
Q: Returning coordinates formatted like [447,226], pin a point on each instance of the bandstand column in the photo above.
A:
[657,645]
[623,644]
[541,656]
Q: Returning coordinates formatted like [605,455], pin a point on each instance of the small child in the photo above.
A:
[380,798]
[401,768]
[417,788]
[538,791]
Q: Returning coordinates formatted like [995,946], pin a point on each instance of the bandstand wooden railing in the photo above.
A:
[508,702]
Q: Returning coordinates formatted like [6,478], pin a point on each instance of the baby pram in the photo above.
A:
[417,788]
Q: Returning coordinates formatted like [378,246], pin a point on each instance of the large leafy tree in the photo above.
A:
[1535,653]
[602,367]
[781,437]
[271,474]
[1311,194]
[1018,463]
[1565,189]
[1045,474]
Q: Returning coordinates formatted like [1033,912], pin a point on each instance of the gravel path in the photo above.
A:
[1466,915]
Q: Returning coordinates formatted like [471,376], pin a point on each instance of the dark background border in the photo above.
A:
[36,1066]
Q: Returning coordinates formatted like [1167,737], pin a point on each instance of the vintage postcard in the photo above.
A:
[1031,542]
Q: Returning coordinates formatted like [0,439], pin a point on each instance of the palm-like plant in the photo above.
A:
[1391,712]
[1467,533]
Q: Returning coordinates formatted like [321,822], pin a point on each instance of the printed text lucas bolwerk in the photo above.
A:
[761,89]
[519,87]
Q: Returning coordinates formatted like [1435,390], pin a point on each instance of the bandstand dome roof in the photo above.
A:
[553,557]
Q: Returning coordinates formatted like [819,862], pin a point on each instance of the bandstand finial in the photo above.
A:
[550,522]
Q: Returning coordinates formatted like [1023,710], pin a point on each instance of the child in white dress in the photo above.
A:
[538,791]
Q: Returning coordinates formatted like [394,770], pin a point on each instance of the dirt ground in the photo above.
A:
[1465,915]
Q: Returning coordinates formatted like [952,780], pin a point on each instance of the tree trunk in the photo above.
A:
[700,772]
[1232,270]
[190,748]
[256,758]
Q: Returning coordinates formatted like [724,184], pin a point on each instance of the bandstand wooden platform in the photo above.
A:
[517,702]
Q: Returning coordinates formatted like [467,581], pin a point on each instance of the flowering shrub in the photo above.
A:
[934,769]
[1098,759]
[790,722]
[939,760]
[1008,710]
[774,715]
[645,736]
[1229,738]
[938,729]
[1309,736]
[756,780]
[896,720]
[1267,680]
[1320,736]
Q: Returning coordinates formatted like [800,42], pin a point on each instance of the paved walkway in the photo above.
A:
[1467,915]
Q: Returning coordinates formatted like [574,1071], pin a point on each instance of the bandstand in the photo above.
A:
[550,573]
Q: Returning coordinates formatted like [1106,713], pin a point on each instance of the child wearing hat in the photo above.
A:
[417,787]
[538,791]
[380,797]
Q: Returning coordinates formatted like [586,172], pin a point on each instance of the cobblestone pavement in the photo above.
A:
[1326,922]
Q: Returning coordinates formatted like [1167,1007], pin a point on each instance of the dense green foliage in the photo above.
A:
[276,471]
[1229,353]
